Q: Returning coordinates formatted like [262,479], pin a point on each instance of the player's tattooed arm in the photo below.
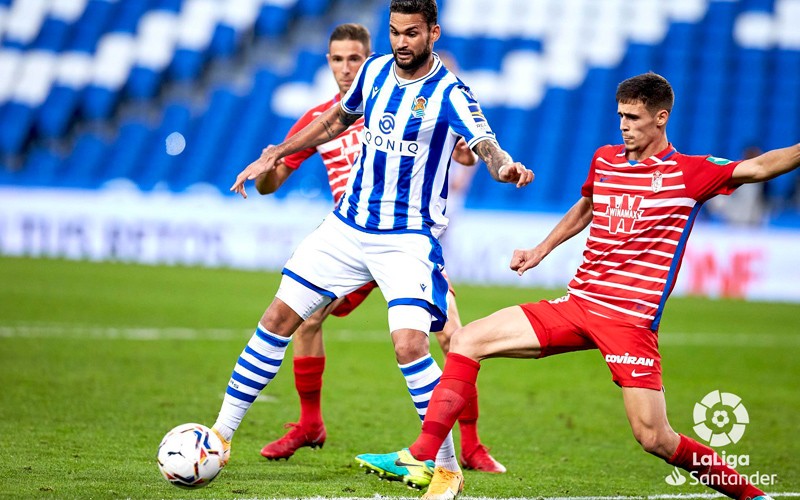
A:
[493,157]
[346,119]
[500,164]
[322,129]
[335,124]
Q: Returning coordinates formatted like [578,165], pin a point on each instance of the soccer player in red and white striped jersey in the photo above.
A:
[640,200]
[348,48]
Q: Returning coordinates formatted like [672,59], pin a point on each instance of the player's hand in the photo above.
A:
[515,173]
[522,260]
[265,163]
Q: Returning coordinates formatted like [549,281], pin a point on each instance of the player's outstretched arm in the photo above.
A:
[768,165]
[269,182]
[501,166]
[574,221]
[322,129]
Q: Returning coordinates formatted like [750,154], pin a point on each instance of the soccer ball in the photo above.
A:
[190,456]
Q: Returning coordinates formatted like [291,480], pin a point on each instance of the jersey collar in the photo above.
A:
[657,158]
[401,82]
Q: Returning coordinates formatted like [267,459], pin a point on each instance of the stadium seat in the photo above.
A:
[274,17]
[156,165]
[42,168]
[204,144]
[82,168]
[245,143]
[127,151]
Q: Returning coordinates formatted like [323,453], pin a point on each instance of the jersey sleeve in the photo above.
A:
[465,116]
[588,186]
[294,160]
[708,176]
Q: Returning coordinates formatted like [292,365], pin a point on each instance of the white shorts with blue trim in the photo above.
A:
[337,259]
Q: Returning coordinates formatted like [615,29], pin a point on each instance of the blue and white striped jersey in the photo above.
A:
[399,182]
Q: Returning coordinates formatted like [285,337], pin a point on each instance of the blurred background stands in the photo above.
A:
[90,89]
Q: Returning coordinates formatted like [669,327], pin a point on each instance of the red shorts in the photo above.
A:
[565,325]
[355,298]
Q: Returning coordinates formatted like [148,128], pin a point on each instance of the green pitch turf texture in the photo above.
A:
[98,361]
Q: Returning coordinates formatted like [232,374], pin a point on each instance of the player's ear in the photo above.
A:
[662,117]
[436,32]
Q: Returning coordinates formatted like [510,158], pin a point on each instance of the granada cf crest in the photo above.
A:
[418,107]
[656,183]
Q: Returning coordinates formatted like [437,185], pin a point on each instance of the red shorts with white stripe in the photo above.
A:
[354,299]
[566,325]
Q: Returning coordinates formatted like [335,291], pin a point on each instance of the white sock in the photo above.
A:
[421,377]
[256,366]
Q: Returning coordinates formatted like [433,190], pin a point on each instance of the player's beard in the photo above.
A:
[416,61]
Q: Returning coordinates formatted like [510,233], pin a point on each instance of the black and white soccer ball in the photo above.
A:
[190,456]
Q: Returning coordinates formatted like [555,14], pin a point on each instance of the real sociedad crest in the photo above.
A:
[418,107]
[656,183]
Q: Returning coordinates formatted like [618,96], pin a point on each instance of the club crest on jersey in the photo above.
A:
[418,107]
[656,183]
[623,212]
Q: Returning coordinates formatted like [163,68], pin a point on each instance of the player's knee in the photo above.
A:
[458,341]
[309,329]
[653,440]
[409,346]
[313,325]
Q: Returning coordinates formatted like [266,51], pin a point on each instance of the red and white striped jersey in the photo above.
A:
[643,214]
[337,154]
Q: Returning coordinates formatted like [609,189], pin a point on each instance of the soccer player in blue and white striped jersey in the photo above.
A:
[387,224]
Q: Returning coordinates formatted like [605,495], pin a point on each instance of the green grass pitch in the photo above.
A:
[98,361]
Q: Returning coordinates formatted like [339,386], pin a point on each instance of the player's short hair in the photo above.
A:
[352,31]
[427,8]
[651,89]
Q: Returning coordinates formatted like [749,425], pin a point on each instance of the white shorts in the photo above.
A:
[336,259]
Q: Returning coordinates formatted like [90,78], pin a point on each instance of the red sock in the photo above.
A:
[308,382]
[721,477]
[468,423]
[447,402]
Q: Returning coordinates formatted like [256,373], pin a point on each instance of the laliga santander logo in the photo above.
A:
[720,418]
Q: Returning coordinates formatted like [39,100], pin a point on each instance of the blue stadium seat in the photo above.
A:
[16,118]
[83,167]
[60,106]
[127,151]
[156,165]
[273,20]
[100,98]
[42,168]
[224,41]
[203,146]
[312,8]
[246,144]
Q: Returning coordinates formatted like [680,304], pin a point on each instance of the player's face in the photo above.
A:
[639,127]
[345,57]
[412,40]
